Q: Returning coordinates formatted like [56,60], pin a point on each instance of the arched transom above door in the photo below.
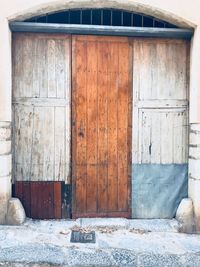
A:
[106,17]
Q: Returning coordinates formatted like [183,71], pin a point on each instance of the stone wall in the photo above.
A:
[194,171]
[186,14]
[5,168]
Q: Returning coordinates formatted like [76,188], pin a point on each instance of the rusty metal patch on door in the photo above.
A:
[82,237]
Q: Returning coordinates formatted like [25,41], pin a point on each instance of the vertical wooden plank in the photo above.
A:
[26,87]
[155,137]
[43,195]
[146,136]
[27,198]
[51,203]
[135,98]
[60,65]
[131,129]
[34,199]
[42,200]
[167,147]
[177,137]
[112,127]
[35,67]
[37,149]
[79,124]
[74,127]
[140,136]
[23,138]
[57,200]
[43,150]
[123,103]
[49,150]
[68,144]
[161,88]
[60,152]
[51,62]
[42,65]
[16,167]
[91,184]
[17,58]
[68,110]
[103,87]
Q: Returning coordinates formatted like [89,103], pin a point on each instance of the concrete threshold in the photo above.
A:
[119,242]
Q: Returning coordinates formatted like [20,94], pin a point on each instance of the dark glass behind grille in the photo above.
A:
[106,17]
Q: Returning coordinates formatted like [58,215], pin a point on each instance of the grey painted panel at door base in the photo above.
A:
[157,189]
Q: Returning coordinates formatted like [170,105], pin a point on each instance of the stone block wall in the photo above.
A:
[194,171]
[5,168]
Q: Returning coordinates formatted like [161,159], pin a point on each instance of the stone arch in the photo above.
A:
[52,6]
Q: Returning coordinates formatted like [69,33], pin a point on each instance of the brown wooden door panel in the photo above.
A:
[41,200]
[101,126]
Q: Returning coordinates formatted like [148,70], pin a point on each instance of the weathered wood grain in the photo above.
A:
[160,68]
[160,89]
[79,134]
[162,136]
[113,128]
[101,83]
[92,113]
[41,105]
[41,200]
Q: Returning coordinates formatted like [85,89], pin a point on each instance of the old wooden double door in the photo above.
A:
[72,99]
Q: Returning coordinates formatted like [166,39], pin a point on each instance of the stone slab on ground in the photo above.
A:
[133,243]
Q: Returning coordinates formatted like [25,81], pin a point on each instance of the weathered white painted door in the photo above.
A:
[160,123]
[41,122]
[41,107]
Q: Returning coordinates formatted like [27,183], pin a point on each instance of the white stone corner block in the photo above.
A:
[185,215]
[5,165]
[195,127]
[5,147]
[194,138]
[194,168]
[5,133]
[194,194]
[16,213]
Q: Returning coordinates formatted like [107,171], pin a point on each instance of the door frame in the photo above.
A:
[147,32]
[178,33]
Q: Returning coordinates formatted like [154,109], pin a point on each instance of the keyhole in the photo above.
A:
[81,134]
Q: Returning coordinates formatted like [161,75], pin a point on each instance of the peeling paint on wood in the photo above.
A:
[41,107]
[160,100]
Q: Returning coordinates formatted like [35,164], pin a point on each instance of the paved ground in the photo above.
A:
[119,242]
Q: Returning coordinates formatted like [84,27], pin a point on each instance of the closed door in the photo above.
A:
[41,121]
[101,126]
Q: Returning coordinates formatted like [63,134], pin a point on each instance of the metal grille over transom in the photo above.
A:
[107,17]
